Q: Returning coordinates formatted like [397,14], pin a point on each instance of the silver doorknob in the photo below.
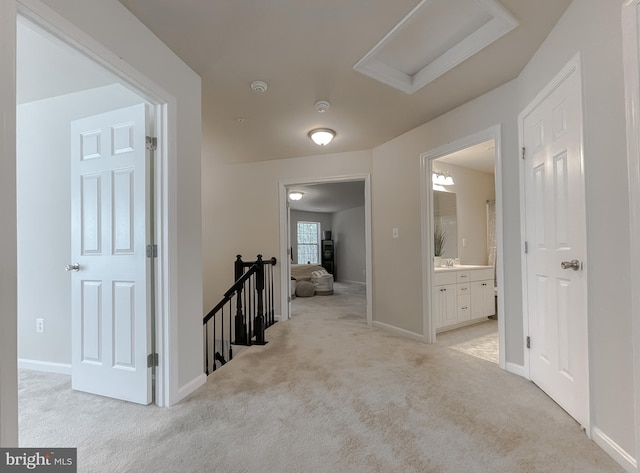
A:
[573,264]
[72,267]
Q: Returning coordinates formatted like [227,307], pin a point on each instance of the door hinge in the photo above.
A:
[526,247]
[524,152]
[152,143]
[152,360]
[152,251]
[528,342]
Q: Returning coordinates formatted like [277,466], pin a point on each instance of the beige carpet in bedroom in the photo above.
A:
[327,394]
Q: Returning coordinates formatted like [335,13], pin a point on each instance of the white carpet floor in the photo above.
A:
[327,394]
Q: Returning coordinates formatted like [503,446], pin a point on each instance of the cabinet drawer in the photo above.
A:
[463,289]
[463,276]
[444,277]
[464,308]
[481,274]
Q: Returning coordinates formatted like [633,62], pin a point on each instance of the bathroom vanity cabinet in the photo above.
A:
[462,295]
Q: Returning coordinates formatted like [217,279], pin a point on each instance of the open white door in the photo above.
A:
[556,236]
[110,320]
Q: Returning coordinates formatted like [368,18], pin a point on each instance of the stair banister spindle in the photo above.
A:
[230,334]
[214,343]
[259,320]
[206,349]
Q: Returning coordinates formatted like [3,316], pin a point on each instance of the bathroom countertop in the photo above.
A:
[461,267]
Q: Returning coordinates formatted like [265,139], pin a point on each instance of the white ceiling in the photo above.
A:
[329,197]
[480,157]
[306,51]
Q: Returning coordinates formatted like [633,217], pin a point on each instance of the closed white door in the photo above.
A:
[110,322]
[556,239]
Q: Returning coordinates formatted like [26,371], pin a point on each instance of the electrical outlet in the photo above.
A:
[395,233]
[40,325]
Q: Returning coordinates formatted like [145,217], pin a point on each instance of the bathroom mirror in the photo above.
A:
[444,218]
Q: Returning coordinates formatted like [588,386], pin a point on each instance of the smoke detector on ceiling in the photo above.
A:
[322,106]
[258,86]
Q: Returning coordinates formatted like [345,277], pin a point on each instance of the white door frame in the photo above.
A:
[631,57]
[165,182]
[284,232]
[426,185]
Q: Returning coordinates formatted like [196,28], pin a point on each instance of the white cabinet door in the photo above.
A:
[445,308]
[482,300]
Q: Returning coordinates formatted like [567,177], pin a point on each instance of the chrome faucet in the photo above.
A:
[449,262]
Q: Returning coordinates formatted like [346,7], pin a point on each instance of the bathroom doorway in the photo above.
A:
[462,245]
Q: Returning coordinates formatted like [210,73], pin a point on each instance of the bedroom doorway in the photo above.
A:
[44,195]
[325,235]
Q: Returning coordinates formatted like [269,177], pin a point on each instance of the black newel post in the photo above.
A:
[240,324]
[259,320]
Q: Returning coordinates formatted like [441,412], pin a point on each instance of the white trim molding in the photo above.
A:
[516,369]
[399,331]
[46,366]
[631,61]
[492,22]
[190,387]
[613,449]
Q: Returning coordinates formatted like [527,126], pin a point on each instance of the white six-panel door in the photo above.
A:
[110,329]
[556,237]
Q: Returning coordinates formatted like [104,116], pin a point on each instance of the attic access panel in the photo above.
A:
[432,39]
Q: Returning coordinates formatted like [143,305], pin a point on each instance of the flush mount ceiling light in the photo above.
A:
[322,136]
[295,195]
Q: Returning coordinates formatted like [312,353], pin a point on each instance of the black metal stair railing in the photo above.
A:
[253,295]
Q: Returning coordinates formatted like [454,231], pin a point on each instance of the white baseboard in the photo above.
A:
[188,388]
[614,450]
[516,369]
[406,333]
[47,366]
[353,282]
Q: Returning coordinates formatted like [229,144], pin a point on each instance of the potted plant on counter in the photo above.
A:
[439,237]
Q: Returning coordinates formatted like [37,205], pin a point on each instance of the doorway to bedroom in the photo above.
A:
[326,234]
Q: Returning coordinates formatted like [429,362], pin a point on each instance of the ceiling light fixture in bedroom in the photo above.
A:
[322,136]
[295,195]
